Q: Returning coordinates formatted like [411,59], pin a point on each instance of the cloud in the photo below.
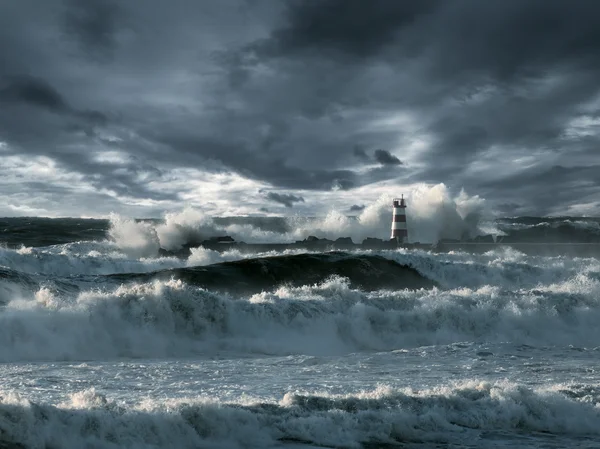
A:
[386,158]
[382,157]
[343,27]
[508,209]
[32,91]
[287,200]
[93,25]
[361,154]
[129,99]
[357,208]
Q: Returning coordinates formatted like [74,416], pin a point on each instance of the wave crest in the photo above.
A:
[455,414]
[172,318]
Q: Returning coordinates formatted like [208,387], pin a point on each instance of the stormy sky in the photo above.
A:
[243,106]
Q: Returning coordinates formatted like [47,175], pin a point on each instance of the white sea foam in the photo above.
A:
[455,414]
[505,268]
[101,258]
[202,256]
[81,258]
[585,225]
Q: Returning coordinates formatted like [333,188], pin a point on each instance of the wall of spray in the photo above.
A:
[432,213]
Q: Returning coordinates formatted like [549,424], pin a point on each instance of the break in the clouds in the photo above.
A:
[143,107]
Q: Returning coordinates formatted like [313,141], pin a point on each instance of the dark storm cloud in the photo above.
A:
[516,38]
[344,27]
[386,158]
[33,91]
[286,199]
[526,72]
[380,156]
[361,154]
[357,208]
[510,74]
[576,177]
[129,180]
[508,209]
[93,25]
[255,164]
[298,94]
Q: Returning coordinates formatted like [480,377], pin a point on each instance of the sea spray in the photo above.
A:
[432,214]
[187,226]
[135,238]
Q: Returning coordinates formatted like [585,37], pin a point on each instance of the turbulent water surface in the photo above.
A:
[106,344]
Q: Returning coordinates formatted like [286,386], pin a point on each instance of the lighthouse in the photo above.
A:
[399,230]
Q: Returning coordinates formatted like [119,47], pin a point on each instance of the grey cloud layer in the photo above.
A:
[93,25]
[311,95]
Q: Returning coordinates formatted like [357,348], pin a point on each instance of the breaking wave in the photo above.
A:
[469,412]
[55,305]
[91,258]
[504,268]
[173,318]
[550,230]
[103,258]
[367,272]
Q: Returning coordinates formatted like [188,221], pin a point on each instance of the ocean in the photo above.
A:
[110,340]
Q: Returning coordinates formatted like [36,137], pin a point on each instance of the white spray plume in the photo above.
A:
[432,214]
[189,225]
[135,239]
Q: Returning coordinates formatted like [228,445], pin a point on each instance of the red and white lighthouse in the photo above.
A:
[399,229]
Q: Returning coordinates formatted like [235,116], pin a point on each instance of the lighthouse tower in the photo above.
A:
[399,230]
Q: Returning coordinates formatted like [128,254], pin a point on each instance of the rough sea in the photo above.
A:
[108,342]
